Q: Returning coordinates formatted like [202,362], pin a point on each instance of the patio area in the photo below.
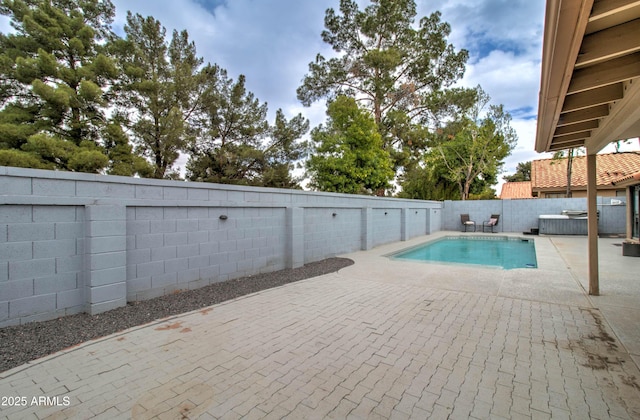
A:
[378,339]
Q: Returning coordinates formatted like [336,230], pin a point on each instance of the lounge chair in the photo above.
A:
[466,222]
[491,223]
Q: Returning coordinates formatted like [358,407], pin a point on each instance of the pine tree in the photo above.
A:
[161,89]
[57,75]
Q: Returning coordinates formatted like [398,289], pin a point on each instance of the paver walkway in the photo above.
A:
[339,346]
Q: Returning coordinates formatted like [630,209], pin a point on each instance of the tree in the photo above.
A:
[428,181]
[122,160]
[431,180]
[474,146]
[523,173]
[348,155]
[283,150]
[161,89]
[232,126]
[569,154]
[402,74]
[55,76]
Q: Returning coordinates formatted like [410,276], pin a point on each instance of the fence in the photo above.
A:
[72,242]
[522,215]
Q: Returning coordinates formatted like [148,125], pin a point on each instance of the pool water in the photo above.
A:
[497,251]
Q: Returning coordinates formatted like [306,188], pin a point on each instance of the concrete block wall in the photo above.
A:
[175,248]
[41,261]
[522,215]
[331,231]
[387,226]
[78,242]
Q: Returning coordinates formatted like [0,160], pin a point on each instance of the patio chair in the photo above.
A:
[491,223]
[466,222]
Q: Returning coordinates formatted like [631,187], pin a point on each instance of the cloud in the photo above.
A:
[504,40]
[501,24]
[270,42]
[508,79]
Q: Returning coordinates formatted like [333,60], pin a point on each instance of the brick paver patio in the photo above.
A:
[339,346]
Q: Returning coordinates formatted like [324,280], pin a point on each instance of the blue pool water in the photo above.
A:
[498,251]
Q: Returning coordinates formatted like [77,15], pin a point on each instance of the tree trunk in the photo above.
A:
[569,170]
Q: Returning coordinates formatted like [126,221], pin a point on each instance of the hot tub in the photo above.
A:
[562,224]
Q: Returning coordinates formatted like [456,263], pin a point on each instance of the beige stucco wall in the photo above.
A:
[582,193]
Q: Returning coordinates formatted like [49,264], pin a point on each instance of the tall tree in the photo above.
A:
[161,89]
[401,73]
[569,154]
[122,160]
[55,75]
[432,180]
[283,151]
[523,173]
[428,181]
[232,127]
[348,156]
[474,146]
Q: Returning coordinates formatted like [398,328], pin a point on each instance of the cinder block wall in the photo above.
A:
[77,242]
[522,215]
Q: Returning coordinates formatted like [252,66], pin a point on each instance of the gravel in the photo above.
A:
[23,343]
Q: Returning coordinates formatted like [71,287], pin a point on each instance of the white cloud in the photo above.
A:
[504,41]
[508,79]
[272,42]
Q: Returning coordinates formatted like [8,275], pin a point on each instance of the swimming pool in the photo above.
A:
[496,251]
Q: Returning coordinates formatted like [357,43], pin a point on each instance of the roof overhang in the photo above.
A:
[590,83]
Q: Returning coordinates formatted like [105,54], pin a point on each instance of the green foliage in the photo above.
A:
[402,73]
[17,124]
[21,159]
[87,161]
[54,60]
[50,152]
[163,83]
[523,173]
[55,81]
[428,181]
[348,156]
[473,146]
[76,97]
[283,150]
[486,194]
[233,126]
[122,160]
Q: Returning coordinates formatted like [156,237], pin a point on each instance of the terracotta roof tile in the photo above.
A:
[552,173]
[516,190]
[627,179]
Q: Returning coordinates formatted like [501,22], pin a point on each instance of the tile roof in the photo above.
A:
[516,190]
[627,179]
[552,173]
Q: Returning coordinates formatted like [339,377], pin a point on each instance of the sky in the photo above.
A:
[272,43]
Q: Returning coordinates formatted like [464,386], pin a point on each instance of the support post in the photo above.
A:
[105,257]
[630,209]
[295,237]
[592,215]
[404,224]
[367,228]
